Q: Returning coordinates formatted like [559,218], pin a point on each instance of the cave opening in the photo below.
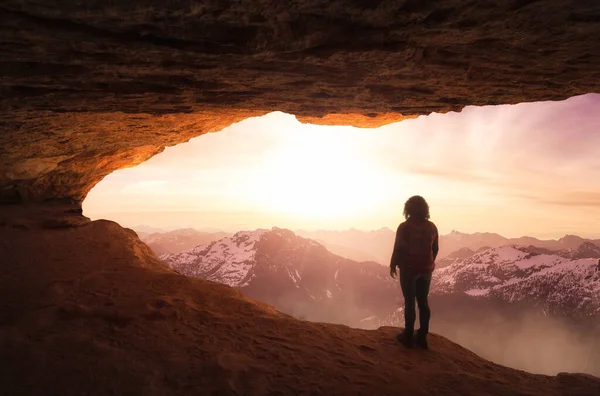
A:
[516,183]
[528,169]
[92,87]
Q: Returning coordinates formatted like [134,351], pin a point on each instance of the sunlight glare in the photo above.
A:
[522,169]
[317,173]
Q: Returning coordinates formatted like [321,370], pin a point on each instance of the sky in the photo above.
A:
[527,169]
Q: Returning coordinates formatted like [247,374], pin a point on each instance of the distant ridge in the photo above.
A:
[377,245]
[179,240]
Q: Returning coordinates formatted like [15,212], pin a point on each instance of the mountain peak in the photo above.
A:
[283,232]
[255,234]
[571,241]
[229,259]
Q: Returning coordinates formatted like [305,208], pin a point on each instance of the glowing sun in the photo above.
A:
[319,176]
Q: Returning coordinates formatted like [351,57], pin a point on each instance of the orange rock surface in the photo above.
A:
[90,87]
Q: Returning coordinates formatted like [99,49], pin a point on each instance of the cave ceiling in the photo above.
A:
[91,86]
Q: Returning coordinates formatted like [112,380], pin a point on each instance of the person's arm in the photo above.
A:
[436,246]
[399,245]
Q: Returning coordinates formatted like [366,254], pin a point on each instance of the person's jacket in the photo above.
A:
[416,246]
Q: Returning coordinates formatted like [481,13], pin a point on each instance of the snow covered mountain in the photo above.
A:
[296,275]
[227,260]
[301,277]
[563,283]
[585,250]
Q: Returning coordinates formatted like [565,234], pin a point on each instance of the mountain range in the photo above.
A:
[377,245]
[296,275]
[289,271]
[565,285]
[359,245]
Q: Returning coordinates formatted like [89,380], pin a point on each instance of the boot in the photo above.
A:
[405,337]
[421,340]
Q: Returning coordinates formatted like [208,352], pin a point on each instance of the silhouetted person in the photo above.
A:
[415,250]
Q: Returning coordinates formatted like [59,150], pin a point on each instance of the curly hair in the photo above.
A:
[416,208]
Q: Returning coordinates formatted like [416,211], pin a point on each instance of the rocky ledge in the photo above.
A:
[90,310]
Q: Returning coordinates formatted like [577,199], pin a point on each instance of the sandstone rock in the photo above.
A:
[90,87]
[53,214]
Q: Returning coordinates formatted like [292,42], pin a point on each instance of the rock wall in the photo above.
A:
[92,86]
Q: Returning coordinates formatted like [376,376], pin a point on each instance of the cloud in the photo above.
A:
[574,199]
[144,187]
[448,174]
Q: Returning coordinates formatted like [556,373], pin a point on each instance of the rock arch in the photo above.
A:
[90,88]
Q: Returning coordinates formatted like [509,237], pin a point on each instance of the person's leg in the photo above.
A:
[407,283]
[421,293]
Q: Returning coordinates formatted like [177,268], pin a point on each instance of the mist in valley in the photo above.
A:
[522,339]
